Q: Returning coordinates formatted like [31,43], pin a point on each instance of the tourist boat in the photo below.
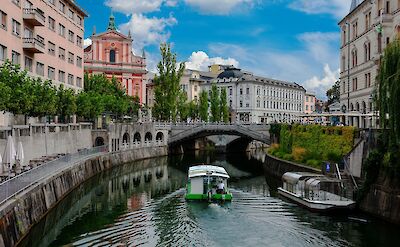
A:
[204,181]
[315,192]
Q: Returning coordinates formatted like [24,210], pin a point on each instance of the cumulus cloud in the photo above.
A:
[134,6]
[221,7]
[87,42]
[148,31]
[321,84]
[200,61]
[337,8]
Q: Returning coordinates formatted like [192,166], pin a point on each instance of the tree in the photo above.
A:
[333,93]
[193,109]
[44,100]
[5,94]
[167,89]
[183,106]
[224,106]
[66,103]
[203,107]
[90,105]
[215,104]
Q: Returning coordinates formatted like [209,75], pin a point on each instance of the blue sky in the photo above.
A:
[294,40]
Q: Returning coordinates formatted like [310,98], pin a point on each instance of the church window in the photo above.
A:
[112,56]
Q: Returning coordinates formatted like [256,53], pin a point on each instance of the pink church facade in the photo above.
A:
[111,54]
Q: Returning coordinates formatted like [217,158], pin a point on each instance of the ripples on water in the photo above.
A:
[120,209]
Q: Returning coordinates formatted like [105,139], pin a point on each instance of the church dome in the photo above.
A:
[231,73]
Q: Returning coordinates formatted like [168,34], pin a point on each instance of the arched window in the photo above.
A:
[112,56]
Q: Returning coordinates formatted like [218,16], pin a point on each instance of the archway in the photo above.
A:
[99,142]
[125,140]
[160,137]
[137,138]
[148,137]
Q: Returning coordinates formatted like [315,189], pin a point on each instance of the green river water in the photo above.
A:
[128,207]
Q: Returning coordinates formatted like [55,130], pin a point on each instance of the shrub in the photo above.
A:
[334,156]
[314,163]
[288,157]
[299,153]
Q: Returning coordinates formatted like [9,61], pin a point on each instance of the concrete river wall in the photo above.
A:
[19,214]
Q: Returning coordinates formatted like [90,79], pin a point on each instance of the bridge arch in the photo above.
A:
[137,137]
[160,136]
[125,138]
[148,137]
[99,142]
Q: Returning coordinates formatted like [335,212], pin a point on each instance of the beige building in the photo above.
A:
[309,103]
[365,32]
[46,38]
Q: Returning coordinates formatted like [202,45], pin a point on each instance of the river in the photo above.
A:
[127,206]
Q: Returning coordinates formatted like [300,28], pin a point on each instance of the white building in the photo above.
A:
[257,99]
[365,32]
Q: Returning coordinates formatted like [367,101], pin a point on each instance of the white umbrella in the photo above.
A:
[9,154]
[20,154]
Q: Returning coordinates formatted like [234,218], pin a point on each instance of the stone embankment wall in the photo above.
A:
[40,140]
[278,167]
[19,214]
[383,198]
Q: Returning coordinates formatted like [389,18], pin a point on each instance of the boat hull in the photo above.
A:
[318,206]
[214,197]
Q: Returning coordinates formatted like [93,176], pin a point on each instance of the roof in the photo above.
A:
[354,5]
[77,8]
[295,177]
[207,170]
[231,72]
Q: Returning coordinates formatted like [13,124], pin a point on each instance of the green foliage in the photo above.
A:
[224,106]
[203,107]
[193,110]
[5,94]
[183,106]
[44,100]
[215,104]
[66,102]
[387,101]
[312,144]
[89,105]
[371,166]
[333,93]
[167,90]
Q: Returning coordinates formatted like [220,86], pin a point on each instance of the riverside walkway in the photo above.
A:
[16,185]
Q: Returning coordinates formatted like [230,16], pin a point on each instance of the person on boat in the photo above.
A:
[220,187]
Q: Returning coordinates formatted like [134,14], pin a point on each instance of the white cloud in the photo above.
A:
[321,85]
[309,65]
[134,6]
[200,61]
[148,31]
[87,42]
[337,8]
[221,7]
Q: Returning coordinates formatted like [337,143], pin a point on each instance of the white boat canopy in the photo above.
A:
[295,177]
[206,170]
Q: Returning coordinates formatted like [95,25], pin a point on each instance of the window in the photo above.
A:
[343,87]
[355,30]
[79,62]
[368,21]
[71,57]
[78,41]
[367,51]
[15,57]
[39,68]
[51,73]
[368,80]
[112,56]
[3,20]
[71,36]
[387,7]
[70,14]
[52,24]
[230,91]
[28,64]
[306,98]
[195,88]
[70,79]
[258,103]
[17,2]
[3,53]
[16,27]
[53,2]
[61,53]
[61,76]
[241,103]
[247,90]
[306,107]
[78,82]
[61,6]
[241,91]
[79,20]
[61,30]
[28,33]
[52,48]
[354,58]
[355,84]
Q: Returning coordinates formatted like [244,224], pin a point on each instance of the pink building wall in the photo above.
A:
[309,103]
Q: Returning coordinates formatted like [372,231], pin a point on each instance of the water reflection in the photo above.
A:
[142,204]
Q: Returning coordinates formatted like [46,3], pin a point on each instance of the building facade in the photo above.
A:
[365,32]
[254,99]
[45,38]
[111,54]
[309,103]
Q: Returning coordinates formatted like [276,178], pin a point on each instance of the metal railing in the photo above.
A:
[12,187]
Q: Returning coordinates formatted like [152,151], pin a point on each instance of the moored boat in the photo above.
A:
[206,182]
[315,191]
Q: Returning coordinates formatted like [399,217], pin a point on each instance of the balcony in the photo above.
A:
[33,45]
[34,17]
